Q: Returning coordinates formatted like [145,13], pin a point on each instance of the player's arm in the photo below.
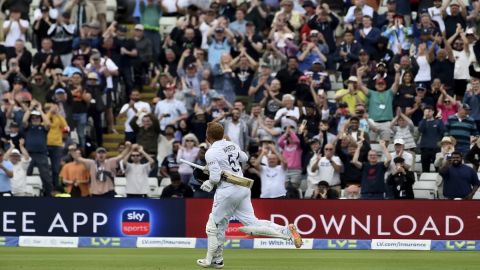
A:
[214,169]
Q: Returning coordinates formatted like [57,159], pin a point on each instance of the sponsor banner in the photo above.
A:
[401,244]
[8,241]
[229,243]
[100,242]
[358,219]
[99,217]
[345,244]
[277,243]
[153,242]
[48,241]
[467,245]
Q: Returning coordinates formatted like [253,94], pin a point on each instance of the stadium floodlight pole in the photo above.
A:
[227,176]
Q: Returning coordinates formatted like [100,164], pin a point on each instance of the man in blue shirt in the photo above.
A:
[373,172]
[6,172]
[459,180]
[36,125]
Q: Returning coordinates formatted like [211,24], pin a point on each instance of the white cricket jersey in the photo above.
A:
[224,156]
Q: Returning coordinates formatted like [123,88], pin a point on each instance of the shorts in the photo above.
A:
[100,6]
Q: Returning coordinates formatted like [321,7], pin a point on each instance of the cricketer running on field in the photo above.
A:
[232,200]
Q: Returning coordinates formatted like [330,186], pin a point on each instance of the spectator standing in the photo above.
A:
[189,152]
[325,23]
[368,35]
[36,125]
[102,171]
[61,32]
[328,168]
[272,174]
[75,176]
[235,128]
[20,161]
[14,28]
[373,172]
[54,141]
[462,127]
[346,55]
[472,98]
[82,12]
[289,114]
[147,133]
[431,130]
[151,12]
[459,180]
[291,148]
[461,52]
[400,183]
[352,95]
[136,173]
[169,163]
[6,173]
[134,106]
[80,100]
[358,4]
[170,110]
[289,76]
[145,56]
[399,151]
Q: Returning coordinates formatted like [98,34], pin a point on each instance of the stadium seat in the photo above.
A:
[120,181]
[167,24]
[425,190]
[34,181]
[155,193]
[428,177]
[153,183]
[477,195]
[121,192]
[165,182]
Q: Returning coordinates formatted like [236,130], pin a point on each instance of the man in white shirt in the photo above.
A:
[326,168]
[170,111]
[232,200]
[436,13]
[130,110]
[20,160]
[288,115]
[136,173]
[366,10]
[399,145]
[14,28]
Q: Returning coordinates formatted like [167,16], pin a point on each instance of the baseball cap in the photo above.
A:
[454,3]
[352,79]
[317,62]
[421,87]
[139,27]
[191,65]
[314,33]
[469,31]
[446,139]
[60,91]
[308,3]
[266,138]
[35,112]
[15,152]
[18,80]
[399,141]
[92,76]
[14,124]
[381,64]
[362,51]
[101,150]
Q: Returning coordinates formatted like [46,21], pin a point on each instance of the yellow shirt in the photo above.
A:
[57,123]
[352,100]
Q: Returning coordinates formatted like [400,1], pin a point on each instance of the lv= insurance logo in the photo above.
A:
[135,222]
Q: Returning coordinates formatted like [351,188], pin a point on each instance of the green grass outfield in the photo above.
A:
[156,259]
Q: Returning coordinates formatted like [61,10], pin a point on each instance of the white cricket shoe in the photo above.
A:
[203,263]
[297,239]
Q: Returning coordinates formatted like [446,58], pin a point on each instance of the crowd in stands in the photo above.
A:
[330,99]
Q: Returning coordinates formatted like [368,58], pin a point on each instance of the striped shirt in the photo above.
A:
[461,130]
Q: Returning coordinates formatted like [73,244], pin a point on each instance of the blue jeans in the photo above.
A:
[80,124]
[55,153]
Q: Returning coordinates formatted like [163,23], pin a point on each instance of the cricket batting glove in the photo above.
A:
[207,186]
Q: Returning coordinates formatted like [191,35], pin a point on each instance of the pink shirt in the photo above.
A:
[446,112]
[291,152]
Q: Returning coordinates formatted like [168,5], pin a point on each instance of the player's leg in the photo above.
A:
[217,223]
[258,227]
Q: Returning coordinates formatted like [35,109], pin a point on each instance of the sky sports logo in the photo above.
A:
[135,222]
